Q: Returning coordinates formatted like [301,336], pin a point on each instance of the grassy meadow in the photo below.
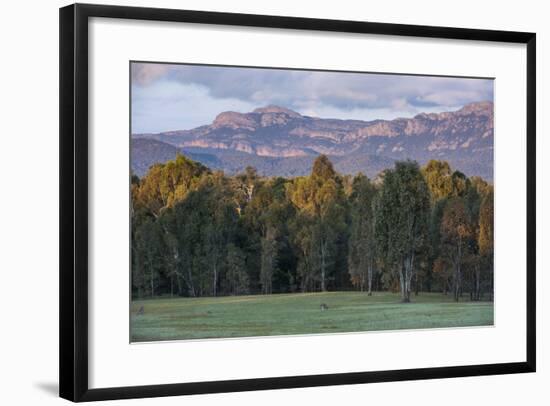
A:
[281,314]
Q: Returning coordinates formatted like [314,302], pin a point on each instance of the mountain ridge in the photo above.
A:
[463,137]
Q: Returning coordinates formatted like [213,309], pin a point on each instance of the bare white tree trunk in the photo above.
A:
[407,277]
[402,282]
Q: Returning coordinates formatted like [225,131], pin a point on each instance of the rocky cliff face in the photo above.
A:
[463,137]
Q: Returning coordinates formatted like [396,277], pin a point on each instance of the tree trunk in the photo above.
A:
[472,288]
[408,268]
[491,289]
[402,283]
[214,288]
[152,281]
[457,282]
[369,279]
[190,284]
[178,282]
[458,276]
[478,283]
[323,265]
[408,280]
[407,297]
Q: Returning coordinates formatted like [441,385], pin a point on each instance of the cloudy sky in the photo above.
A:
[179,97]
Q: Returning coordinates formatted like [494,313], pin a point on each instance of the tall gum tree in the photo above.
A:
[486,233]
[362,253]
[401,222]
[456,231]
[320,200]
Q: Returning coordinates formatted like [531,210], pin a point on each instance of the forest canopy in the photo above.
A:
[197,232]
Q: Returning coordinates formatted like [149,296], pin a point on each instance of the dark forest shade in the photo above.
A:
[196,232]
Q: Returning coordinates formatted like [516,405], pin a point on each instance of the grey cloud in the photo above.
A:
[308,89]
[144,74]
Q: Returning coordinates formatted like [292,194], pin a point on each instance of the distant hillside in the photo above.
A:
[146,152]
[278,141]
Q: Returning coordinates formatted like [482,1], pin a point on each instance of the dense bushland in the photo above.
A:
[196,232]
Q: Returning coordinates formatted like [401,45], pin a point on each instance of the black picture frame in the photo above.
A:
[73,254]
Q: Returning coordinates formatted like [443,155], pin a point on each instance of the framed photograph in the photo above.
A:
[258,202]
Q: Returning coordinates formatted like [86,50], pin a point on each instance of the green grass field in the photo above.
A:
[280,314]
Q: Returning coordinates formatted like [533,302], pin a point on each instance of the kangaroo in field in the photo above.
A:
[141,311]
[324,306]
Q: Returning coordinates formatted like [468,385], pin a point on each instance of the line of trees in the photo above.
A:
[196,232]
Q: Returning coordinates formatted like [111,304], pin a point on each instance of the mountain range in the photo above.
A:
[281,142]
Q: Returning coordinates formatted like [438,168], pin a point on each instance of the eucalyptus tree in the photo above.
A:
[486,233]
[268,262]
[166,184]
[219,227]
[401,220]
[361,246]
[150,254]
[236,278]
[439,179]
[320,201]
[456,231]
